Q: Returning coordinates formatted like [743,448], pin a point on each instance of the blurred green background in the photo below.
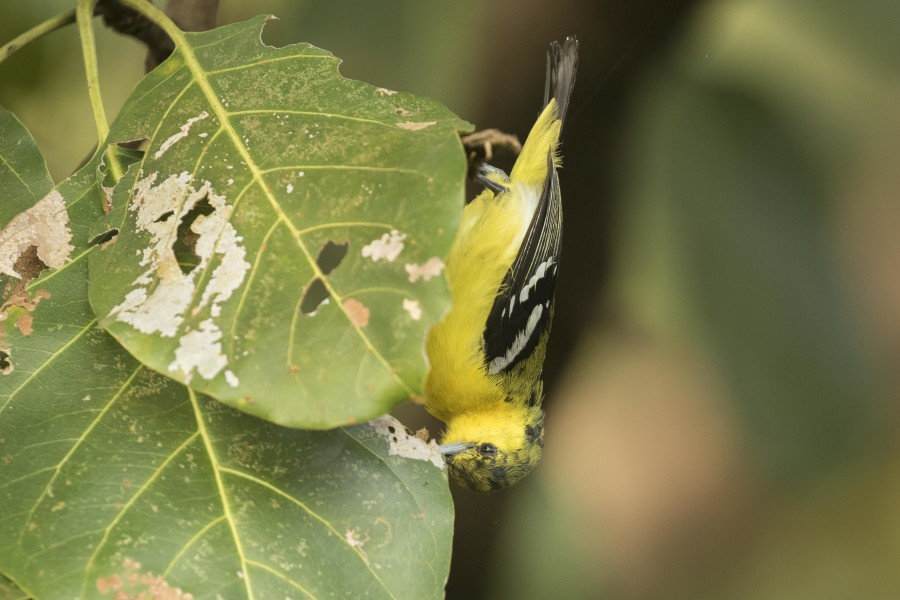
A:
[723,378]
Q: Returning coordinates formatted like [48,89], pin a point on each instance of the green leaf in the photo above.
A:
[270,250]
[115,480]
[23,172]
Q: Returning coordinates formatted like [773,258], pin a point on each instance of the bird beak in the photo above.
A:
[455,448]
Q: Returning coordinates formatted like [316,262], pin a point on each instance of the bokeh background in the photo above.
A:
[722,411]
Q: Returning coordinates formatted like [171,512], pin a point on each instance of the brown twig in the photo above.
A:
[480,146]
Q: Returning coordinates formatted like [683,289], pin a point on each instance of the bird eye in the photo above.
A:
[487,449]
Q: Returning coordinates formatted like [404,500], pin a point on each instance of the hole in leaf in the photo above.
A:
[331,255]
[185,246]
[137,144]
[315,295]
[130,151]
[28,265]
[164,216]
[6,366]
[102,238]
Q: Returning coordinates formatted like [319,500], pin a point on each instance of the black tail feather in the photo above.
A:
[562,62]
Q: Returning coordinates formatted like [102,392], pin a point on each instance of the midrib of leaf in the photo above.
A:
[220,486]
[223,115]
[313,514]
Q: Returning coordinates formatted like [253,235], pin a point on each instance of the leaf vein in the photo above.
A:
[220,486]
[127,506]
[266,61]
[246,288]
[187,545]
[310,512]
[216,106]
[310,113]
[51,356]
[281,576]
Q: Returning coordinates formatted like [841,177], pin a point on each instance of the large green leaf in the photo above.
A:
[115,480]
[272,248]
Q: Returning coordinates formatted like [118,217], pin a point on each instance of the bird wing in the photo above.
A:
[521,312]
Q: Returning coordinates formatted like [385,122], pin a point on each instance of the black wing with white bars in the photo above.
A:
[521,312]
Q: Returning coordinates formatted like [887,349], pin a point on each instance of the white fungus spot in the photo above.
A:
[231,379]
[414,126]
[400,443]
[42,226]
[387,247]
[162,294]
[413,308]
[182,133]
[385,91]
[290,188]
[352,537]
[431,268]
[200,349]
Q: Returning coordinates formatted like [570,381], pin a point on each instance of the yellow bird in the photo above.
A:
[486,355]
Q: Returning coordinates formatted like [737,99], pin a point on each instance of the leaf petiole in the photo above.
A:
[158,17]
[36,33]
[84,13]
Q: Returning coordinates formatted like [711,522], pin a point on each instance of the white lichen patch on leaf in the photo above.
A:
[387,247]
[431,268]
[182,133]
[352,537]
[163,293]
[200,349]
[413,308]
[43,226]
[354,540]
[402,443]
[231,379]
[413,126]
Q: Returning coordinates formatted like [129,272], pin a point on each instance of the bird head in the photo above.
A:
[487,454]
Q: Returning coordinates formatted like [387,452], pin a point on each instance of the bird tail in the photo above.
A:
[531,166]
[562,62]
